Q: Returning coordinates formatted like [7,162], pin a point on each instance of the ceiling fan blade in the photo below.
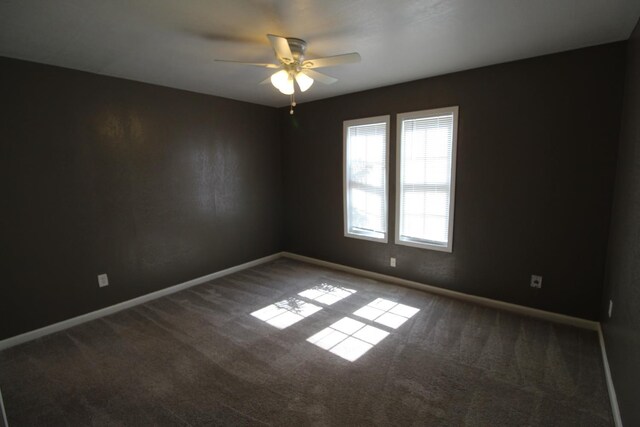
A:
[253,64]
[330,61]
[281,48]
[322,78]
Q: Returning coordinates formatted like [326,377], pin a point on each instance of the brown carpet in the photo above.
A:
[200,357]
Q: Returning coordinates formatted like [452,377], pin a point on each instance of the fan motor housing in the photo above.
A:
[298,47]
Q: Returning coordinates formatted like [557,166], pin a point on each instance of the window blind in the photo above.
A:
[366,180]
[425,179]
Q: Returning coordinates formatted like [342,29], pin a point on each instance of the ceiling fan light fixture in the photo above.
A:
[290,52]
[304,81]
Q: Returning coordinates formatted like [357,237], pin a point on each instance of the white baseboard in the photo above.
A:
[3,415]
[515,308]
[528,311]
[615,410]
[65,324]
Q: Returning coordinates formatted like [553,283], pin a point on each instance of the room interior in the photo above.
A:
[216,207]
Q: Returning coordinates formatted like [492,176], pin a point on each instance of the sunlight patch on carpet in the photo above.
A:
[328,294]
[387,313]
[286,312]
[348,338]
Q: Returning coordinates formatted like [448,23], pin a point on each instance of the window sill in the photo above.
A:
[425,245]
[373,237]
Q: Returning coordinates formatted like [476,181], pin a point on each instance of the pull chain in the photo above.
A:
[293,103]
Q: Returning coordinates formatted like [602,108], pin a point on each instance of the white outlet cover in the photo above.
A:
[392,262]
[103,280]
[536,281]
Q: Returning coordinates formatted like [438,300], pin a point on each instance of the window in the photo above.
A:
[426,178]
[366,143]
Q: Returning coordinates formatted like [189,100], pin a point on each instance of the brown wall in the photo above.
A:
[151,185]
[536,156]
[156,186]
[622,331]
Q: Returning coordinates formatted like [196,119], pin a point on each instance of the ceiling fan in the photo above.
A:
[294,67]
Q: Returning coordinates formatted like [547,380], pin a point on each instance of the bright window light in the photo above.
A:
[387,313]
[366,147]
[348,338]
[425,180]
[286,312]
[328,294]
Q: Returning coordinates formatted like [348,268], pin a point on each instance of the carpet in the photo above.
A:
[289,343]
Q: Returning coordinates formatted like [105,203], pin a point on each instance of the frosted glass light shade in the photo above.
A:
[283,82]
[304,81]
[279,79]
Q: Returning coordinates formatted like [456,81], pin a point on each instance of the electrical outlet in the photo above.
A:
[536,281]
[392,262]
[610,307]
[103,280]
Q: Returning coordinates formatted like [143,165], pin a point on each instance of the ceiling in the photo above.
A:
[174,43]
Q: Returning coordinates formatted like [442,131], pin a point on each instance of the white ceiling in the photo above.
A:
[174,43]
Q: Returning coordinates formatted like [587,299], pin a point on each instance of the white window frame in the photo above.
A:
[346,125]
[452,189]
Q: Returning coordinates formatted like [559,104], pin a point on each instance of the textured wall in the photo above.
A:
[153,186]
[536,158]
[622,331]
